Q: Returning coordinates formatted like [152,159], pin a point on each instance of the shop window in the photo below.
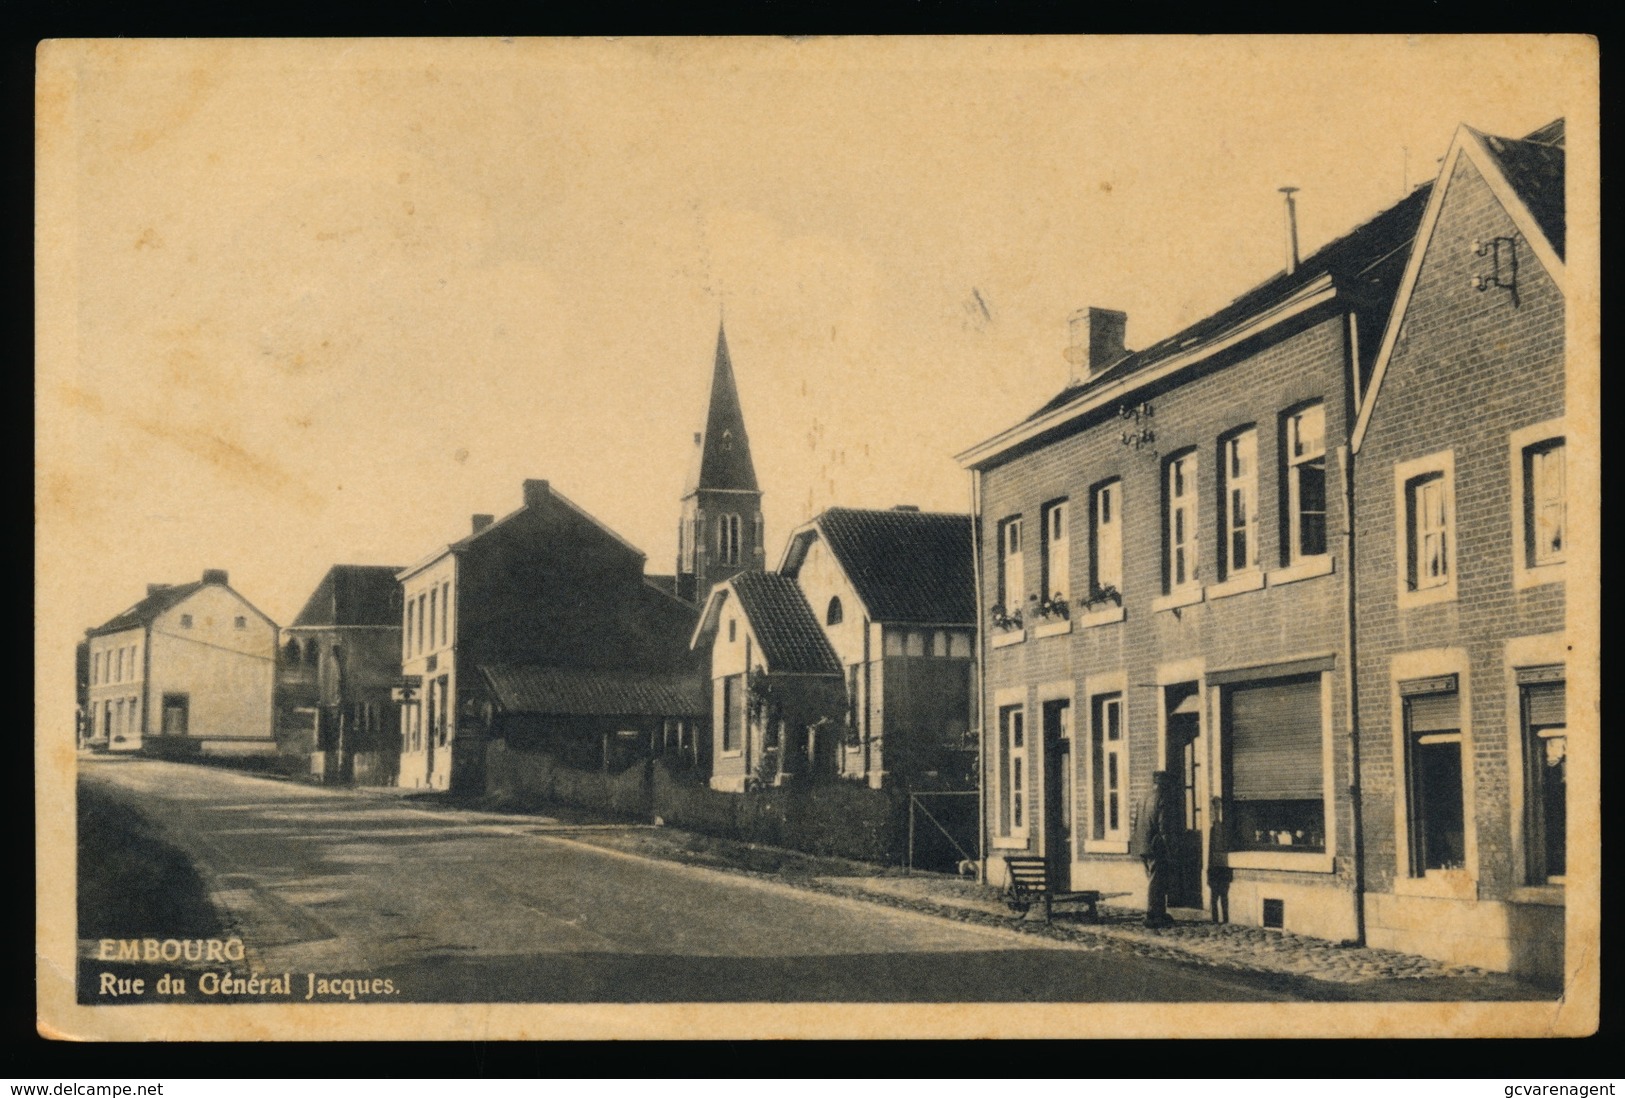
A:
[1274,739]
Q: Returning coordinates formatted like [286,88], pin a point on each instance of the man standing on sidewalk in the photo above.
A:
[1151,841]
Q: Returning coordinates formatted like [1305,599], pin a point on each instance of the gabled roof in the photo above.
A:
[906,566]
[1365,263]
[722,451]
[149,608]
[785,627]
[354,594]
[575,692]
[1517,173]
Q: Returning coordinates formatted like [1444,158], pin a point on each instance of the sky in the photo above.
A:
[317,302]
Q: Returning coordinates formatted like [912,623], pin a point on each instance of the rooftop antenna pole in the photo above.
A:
[1291,230]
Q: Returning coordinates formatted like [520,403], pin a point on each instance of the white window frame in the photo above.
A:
[1012,799]
[1106,517]
[1525,572]
[1238,470]
[1108,839]
[1012,593]
[1181,537]
[1295,462]
[1057,550]
[1409,532]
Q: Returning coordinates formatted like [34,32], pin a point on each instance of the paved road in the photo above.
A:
[469,906]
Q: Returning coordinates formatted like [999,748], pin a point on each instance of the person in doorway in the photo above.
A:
[1218,868]
[1153,843]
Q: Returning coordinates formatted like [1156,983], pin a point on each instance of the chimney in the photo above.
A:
[1291,230]
[536,492]
[1096,341]
[216,576]
[482,521]
[154,588]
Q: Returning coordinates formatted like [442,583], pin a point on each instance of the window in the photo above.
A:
[434,615]
[1179,494]
[1543,503]
[175,709]
[939,644]
[1427,522]
[733,630]
[896,641]
[1543,701]
[728,538]
[832,616]
[1238,468]
[1012,772]
[683,564]
[730,712]
[118,668]
[131,728]
[1107,563]
[1274,747]
[411,619]
[445,612]
[1433,775]
[1012,583]
[1305,456]
[756,533]
[95,668]
[959,646]
[915,644]
[239,622]
[186,621]
[1057,557]
[852,729]
[1108,765]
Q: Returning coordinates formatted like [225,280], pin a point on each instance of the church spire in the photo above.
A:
[722,450]
[720,533]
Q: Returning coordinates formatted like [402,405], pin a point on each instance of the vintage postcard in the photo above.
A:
[716,538]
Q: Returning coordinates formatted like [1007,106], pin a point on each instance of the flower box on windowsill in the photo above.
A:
[1006,639]
[1106,615]
[1053,627]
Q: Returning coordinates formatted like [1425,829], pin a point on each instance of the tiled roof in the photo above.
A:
[1369,260]
[664,584]
[574,692]
[354,594]
[792,640]
[147,609]
[907,566]
[1535,170]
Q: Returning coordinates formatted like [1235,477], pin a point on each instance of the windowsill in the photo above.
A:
[1550,895]
[1108,615]
[1538,576]
[1005,640]
[1311,568]
[1010,842]
[1445,592]
[730,754]
[1185,596]
[1237,584]
[1052,628]
[1104,846]
[1317,861]
[1455,885]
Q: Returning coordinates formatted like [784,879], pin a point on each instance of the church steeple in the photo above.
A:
[721,529]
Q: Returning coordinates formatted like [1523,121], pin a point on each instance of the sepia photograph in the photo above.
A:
[1051,536]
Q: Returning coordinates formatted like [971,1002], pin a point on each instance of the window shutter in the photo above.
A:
[1434,713]
[1275,741]
[1548,704]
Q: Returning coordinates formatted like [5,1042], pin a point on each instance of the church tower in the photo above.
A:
[720,533]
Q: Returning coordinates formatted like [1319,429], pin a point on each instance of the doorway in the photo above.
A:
[1184,733]
[1058,787]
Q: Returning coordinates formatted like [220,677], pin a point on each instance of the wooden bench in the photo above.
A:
[1030,882]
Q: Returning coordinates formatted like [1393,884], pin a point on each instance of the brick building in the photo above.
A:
[341,658]
[1460,489]
[1164,585]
